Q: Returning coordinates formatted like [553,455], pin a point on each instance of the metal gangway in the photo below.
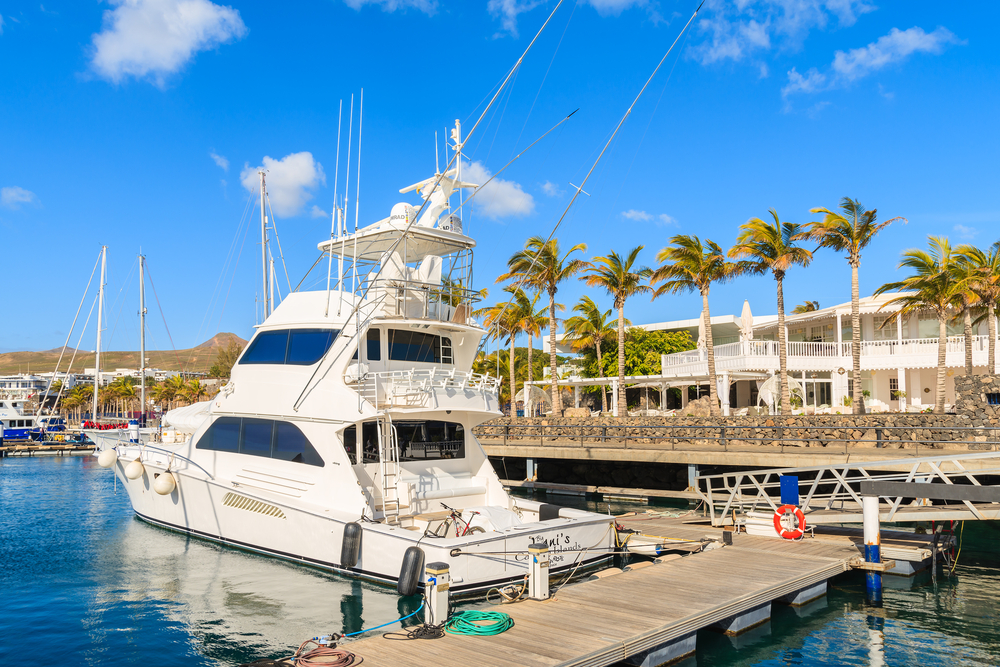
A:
[832,494]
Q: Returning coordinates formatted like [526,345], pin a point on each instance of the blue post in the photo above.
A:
[873,550]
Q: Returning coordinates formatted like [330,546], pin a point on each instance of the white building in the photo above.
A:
[898,357]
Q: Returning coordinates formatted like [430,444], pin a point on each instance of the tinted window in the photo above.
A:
[374,345]
[291,444]
[368,446]
[414,346]
[307,346]
[223,435]
[298,347]
[256,437]
[260,437]
[267,348]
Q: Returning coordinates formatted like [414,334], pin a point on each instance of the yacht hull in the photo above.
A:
[258,521]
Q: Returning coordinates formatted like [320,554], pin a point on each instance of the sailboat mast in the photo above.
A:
[142,342]
[265,295]
[100,324]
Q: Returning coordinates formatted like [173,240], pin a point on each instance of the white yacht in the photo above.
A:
[344,437]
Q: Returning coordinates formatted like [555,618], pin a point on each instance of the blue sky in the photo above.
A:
[134,123]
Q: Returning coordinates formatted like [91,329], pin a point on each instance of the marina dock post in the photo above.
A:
[873,550]
[437,592]
[538,575]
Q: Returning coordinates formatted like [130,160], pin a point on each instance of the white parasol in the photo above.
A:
[768,390]
[702,345]
[746,322]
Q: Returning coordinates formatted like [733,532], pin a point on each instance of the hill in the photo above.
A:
[196,359]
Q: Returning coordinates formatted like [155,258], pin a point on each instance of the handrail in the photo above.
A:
[388,388]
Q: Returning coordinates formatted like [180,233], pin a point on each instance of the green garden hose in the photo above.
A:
[480,623]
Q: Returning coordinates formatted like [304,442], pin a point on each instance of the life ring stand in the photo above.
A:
[800,519]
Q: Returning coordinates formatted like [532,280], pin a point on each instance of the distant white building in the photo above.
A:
[898,356]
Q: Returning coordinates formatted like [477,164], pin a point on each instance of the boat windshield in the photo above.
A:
[295,347]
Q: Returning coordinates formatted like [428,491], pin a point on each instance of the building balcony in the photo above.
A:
[762,355]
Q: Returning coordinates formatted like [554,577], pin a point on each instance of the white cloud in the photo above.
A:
[288,181]
[428,7]
[14,196]
[219,160]
[965,232]
[317,212]
[664,220]
[498,198]
[633,214]
[155,38]
[740,29]
[889,49]
[855,64]
[508,10]
[551,189]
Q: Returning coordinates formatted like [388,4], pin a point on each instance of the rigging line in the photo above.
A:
[281,255]
[77,348]
[232,279]
[225,265]
[62,352]
[547,70]
[121,290]
[318,260]
[534,259]
[651,117]
[162,316]
[476,191]
[437,183]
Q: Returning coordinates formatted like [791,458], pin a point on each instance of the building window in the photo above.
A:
[822,333]
[885,327]
[797,334]
[894,389]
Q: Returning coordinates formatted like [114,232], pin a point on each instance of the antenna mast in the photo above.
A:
[265,295]
[100,312]
[142,342]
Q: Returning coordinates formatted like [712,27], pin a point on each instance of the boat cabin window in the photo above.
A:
[294,347]
[417,440]
[260,437]
[405,345]
[374,345]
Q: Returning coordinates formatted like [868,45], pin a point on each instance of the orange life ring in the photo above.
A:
[784,532]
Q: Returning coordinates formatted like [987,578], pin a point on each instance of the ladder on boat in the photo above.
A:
[388,468]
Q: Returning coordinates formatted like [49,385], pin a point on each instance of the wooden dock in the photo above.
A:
[620,617]
[582,489]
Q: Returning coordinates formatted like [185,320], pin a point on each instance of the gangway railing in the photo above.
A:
[422,387]
[831,493]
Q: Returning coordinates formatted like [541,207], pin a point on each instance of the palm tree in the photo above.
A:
[986,286]
[770,246]
[540,266]
[504,318]
[850,231]
[175,387]
[532,326]
[590,329]
[806,307]
[932,286]
[965,299]
[621,279]
[194,391]
[692,266]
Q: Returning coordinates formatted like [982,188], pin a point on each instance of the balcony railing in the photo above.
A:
[426,388]
[756,349]
[409,299]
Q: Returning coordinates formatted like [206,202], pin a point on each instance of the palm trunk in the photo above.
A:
[531,377]
[557,410]
[942,356]
[622,403]
[967,331]
[713,393]
[513,387]
[600,369]
[783,390]
[857,400]
[992,345]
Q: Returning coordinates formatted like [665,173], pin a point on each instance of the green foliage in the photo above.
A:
[225,360]
[642,352]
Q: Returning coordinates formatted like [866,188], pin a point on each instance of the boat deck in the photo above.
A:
[605,620]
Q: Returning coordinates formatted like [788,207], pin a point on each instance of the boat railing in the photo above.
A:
[408,299]
[423,387]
